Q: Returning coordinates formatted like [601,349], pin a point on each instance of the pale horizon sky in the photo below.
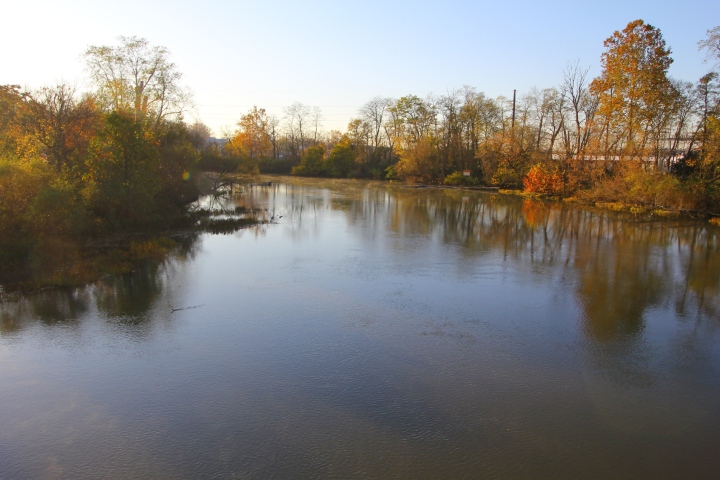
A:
[338,55]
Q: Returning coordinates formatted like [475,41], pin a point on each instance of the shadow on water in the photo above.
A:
[128,295]
[55,306]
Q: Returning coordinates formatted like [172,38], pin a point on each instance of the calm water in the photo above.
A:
[379,332]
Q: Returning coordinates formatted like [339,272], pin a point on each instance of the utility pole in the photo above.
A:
[513,114]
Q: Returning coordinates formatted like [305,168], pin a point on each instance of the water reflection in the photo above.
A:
[380,328]
[624,265]
[51,306]
[621,266]
[623,271]
[127,297]
[130,296]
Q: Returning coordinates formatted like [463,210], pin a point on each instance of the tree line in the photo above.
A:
[633,134]
[120,156]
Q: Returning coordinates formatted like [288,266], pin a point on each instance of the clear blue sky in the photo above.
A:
[337,54]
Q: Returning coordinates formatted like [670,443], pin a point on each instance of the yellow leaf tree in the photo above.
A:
[252,136]
[635,95]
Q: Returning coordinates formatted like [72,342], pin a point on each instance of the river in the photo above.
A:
[379,331]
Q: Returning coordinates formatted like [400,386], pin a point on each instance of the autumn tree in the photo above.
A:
[63,124]
[481,120]
[708,88]
[634,93]
[316,119]
[273,131]
[505,153]
[137,77]
[21,183]
[581,108]
[450,133]
[414,119]
[252,135]
[14,109]
[419,162]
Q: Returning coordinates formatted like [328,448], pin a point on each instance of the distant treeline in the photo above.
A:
[120,157]
[632,134]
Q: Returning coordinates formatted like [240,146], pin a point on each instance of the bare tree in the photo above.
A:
[374,113]
[199,135]
[273,125]
[316,118]
[450,131]
[297,118]
[583,105]
[711,45]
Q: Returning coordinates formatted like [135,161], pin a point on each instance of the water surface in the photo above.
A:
[376,331]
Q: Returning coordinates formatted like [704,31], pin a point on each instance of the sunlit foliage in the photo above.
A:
[312,163]
[540,180]
[117,157]
[137,77]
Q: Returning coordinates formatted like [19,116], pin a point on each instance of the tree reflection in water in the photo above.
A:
[127,297]
[623,265]
[433,324]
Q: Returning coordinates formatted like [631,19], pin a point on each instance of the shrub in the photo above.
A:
[312,162]
[540,180]
[459,179]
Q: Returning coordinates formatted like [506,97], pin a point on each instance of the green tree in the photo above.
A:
[178,166]
[312,162]
[122,172]
[340,161]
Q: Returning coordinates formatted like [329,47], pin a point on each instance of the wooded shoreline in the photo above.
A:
[120,158]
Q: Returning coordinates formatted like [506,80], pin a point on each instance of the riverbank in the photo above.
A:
[616,206]
[65,262]
[611,206]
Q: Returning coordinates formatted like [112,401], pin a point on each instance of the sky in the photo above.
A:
[337,55]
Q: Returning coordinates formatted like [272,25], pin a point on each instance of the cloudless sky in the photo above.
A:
[339,54]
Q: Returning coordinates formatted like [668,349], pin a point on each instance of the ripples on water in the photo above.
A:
[376,331]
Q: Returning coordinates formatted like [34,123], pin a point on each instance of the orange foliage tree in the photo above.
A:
[252,137]
[540,180]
